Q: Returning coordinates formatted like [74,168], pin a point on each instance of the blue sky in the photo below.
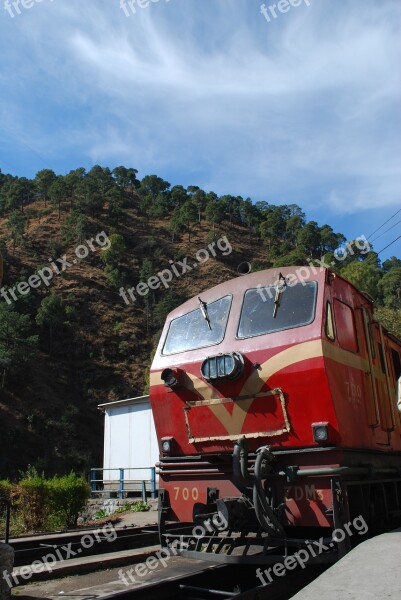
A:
[302,109]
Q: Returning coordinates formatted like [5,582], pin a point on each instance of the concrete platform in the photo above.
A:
[371,571]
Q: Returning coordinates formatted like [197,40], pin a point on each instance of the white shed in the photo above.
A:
[130,445]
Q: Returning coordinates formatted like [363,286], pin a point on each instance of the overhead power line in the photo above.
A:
[384,232]
[390,244]
[385,223]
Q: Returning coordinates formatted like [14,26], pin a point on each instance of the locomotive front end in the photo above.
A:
[233,389]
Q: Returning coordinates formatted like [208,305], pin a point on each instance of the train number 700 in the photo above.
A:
[186,493]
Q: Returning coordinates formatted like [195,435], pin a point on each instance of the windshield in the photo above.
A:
[192,330]
[260,313]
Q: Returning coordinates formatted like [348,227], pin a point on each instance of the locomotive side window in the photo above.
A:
[346,332]
[192,331]
[260,313]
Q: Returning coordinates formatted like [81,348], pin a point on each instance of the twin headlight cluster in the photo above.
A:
[222,367]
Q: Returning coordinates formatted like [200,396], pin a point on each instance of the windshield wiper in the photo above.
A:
[203,307]
[280,287]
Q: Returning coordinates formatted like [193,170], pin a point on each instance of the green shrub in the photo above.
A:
[6,489]
[124,348]
[101,514]
[140,506]
[38,503]
[114,277]
[67,497]
[55,248]
[33,492]
[11,492]
[137,506]
[44,212]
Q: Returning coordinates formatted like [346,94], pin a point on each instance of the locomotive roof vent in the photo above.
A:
[223,367]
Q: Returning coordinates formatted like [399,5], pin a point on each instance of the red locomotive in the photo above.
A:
[275,403]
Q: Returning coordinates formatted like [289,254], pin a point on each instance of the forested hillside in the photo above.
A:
[70,339]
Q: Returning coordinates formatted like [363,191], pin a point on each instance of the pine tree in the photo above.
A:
[16,341]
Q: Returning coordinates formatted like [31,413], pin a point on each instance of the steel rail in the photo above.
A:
[27,551]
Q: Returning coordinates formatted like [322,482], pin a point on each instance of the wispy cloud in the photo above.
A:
[212,94]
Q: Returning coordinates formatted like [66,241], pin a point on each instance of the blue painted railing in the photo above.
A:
[96,482]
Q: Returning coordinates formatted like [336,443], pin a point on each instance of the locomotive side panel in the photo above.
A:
[359,371]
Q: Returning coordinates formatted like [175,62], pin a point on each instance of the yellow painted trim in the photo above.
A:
[276,363]
[233,422]
[344,357]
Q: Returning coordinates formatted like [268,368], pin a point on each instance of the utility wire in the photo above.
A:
[391,243]
[385,223]
[392,227]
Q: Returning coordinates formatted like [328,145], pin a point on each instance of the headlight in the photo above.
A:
[222,367]
[167,445]
[170,377]
[320,432]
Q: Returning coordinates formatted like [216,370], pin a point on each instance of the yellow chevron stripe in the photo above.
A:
[280,361]
[233,422]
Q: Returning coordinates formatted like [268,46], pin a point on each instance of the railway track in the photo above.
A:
[220,583]
[70,545]
[210,582]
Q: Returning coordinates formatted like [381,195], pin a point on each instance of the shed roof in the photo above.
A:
[126,402]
